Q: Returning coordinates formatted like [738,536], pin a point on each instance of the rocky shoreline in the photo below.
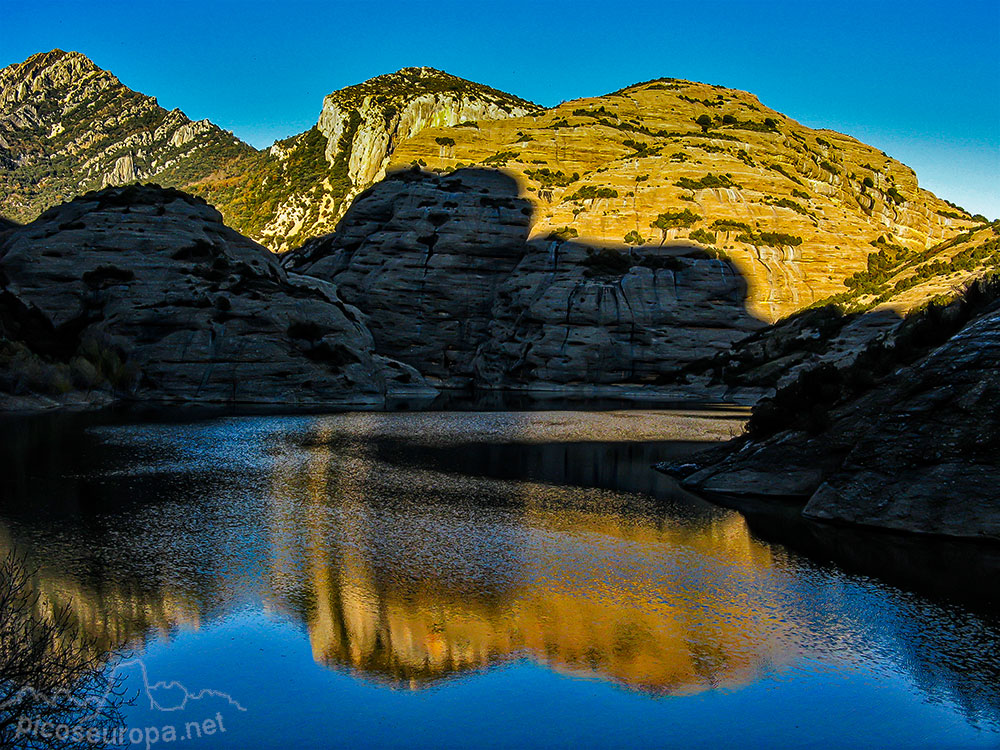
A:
[910,452]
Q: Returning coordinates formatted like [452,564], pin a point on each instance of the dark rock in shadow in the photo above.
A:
[444,269]
[141,293]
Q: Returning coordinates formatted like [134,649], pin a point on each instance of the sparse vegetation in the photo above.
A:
[550,178]
[806,403]
[706,182]
[634,238]
[562,234]
[590,192]
[769,239]
[703,236]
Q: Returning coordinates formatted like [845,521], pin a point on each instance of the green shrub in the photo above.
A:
[895,195]
[590,191]
[769,239]
[708,181]
[634,238]
[730,225]
[703,236]
[562,234]
[675,219]
[550,178]
[500,158]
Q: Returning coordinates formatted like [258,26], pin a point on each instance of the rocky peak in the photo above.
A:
[305,184]
[67,126]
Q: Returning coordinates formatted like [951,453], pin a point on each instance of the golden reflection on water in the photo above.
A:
[406,575]
[596,601]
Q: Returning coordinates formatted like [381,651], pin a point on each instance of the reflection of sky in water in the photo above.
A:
[527,575]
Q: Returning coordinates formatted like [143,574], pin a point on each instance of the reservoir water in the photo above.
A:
[470,579]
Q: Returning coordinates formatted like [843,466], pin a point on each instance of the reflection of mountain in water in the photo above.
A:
[674,620]
[417,547]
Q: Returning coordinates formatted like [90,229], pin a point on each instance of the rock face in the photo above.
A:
[874,308]
[302,186]
[572,314]
[424,256]
[145,292]
[796,210]
[443,269]
[914,453]
[66,127]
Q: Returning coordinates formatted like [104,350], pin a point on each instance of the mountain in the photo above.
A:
[794,209]
[67,127]
[642,238]
[301,186]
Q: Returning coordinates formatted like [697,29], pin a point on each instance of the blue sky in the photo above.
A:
[918,79]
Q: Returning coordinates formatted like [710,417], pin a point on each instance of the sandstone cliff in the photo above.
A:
[143,294]
[794,209]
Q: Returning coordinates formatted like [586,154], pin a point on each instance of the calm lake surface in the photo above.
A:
[472,579]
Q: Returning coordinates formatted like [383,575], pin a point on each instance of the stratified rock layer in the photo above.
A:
[192,310]
[795,209]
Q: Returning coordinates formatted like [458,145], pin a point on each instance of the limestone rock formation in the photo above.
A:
[143,293]
[67,127]
[425,256]
[303,185]
[443,269]
[913,452]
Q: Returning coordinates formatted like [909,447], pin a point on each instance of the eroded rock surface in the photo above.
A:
[442,266]
[145,291]
[914,453]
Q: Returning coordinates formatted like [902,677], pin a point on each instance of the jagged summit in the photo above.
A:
[68,126]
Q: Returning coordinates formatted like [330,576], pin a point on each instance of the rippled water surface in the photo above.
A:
[473,579]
